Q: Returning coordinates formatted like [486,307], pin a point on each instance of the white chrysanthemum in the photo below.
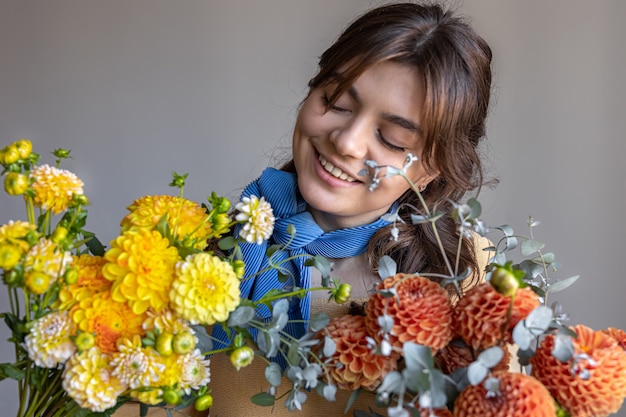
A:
[257,218]
[135,365]
[195,371]
[49,258]
[48,342]
[87,378]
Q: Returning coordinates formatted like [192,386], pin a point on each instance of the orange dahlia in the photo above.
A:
[519,396]
[480,316]
[457,354]
[186,218]
[422,312]
[618,334]
[593,382]
[107,319]
[90,281]
[354,365]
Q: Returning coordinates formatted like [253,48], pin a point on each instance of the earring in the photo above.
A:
[421,188]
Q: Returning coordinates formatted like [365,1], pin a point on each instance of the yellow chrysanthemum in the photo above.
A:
[89,380]
[205,289]
[185,217]
[54,187]
[48,342]
[135,365]
[166,321]
[257,217]
[14,233]
[47,257]
[141,266]
[90,281]
[107,319]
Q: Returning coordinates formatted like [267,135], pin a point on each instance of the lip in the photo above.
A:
[329,178]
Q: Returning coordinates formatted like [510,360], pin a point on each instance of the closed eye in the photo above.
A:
[333,107]
[388,144]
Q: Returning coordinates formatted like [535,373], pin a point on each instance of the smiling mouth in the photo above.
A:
[334,171]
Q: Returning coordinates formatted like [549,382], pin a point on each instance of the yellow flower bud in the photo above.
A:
[242,357]
[9,256]
[71,276]
[59,234]
[37,282]
[183,343]
[9,155]
[238,267]
[164,344]
[24,148]
[15,183]
[84,341]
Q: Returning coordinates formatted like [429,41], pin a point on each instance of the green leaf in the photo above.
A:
[93,244]
[9,370]
[417,356]
[474,204]
[330,347]
[227,243]
[263,399]
[351,401]
[476,373]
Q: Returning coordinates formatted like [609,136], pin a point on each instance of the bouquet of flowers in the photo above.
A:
[94,328]
[499,350]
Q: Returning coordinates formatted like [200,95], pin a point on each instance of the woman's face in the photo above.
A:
[377,119]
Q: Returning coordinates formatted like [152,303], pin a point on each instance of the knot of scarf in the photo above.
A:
[280,189]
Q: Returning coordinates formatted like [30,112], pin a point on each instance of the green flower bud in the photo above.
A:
[171,396]
[37,282]
[164,344]
[238,267]
[504,281]
[61,153]
[84,341]
[204,402]
[342,293]
[59,234]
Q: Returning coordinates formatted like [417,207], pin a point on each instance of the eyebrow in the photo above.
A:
[391,118]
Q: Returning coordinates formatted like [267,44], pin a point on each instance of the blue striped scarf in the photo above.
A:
[280,189]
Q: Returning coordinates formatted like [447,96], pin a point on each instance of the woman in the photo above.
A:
[401,79]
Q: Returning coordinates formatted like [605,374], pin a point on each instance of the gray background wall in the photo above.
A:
[139,88]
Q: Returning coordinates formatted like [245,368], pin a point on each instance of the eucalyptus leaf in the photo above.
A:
[205,342]
[563,348]
[319,321]
[521,336]
[227,243]
[329,392]
[417,356]
[545,259]
[241,316]
[391,383]
[330,347]
[476,373]
[418,219]
[293,353]
[321,264]
[278,321]
[531,246]
[562,284]
[538,320]
[392,171]
[490,357]
[351,401]
[476,208]
[387,267]
[281,306]
[506,230]
[273,374]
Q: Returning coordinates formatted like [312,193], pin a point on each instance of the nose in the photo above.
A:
[351,139]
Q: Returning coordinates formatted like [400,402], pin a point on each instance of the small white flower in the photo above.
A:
[48,342]
[257,218]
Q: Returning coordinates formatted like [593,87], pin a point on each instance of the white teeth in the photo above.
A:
[334,171]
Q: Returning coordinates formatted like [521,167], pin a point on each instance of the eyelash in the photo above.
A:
[379,134]
[388,144]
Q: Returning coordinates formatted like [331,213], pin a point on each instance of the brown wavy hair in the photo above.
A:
[455,65]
